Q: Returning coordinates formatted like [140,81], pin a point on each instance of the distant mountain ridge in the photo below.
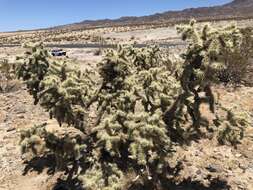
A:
[237,9]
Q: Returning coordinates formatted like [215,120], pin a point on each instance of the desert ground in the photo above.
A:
[111,35]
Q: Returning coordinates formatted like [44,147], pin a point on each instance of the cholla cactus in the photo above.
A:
[143,110]
[232,124]
[239,62]
[65,93]
[136,90]
[33,67]
[33,139]
[222,52]
[67,144]
[62,90]
[7,74]
[208,51]
[206,56]
[99,175]
[7,69]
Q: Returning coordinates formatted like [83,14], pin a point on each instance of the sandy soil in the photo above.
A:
[17,112]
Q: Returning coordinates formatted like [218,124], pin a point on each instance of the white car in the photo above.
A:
[58,52]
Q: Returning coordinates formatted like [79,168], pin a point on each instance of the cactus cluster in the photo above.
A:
[65,93]
[6,70]
[32,67]
[7,76]
[32,139]
[62,90]
[144,110]
[225,52]
[67,144]
[208,54]
[232,124]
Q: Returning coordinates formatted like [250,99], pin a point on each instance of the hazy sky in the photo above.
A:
[30,14]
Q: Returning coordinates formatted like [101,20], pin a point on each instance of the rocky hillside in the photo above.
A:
[236,9]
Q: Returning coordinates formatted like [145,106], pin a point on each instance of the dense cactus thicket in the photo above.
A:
[144,110]
[208,56]
[228,49]
[65,92]
[240,61]
[61,89]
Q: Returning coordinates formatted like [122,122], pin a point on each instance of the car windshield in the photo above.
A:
[56,50]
